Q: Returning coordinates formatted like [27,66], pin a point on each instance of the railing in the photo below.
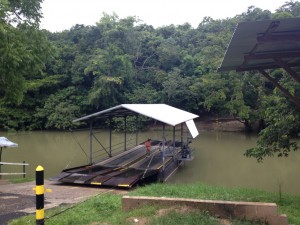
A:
[14,164]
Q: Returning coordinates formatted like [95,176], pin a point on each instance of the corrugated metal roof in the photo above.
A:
[160,112]
[4,142]
[255,45]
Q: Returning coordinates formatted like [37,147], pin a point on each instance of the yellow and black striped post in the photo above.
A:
[39,192]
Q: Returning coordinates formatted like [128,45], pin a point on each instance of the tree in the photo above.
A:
[283,126]
[144,95]
[177,92]
[223,95]
[290,8]
[61,108]
[121,60]
[254,14]
[168,54]
[112,73]
[281,118]
[23,48]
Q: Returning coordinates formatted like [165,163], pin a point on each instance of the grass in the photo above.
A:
[287,204]
[106,208]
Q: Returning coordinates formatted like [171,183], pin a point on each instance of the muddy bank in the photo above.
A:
[220,124]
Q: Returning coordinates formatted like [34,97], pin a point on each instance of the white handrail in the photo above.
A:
[17,164]
[12,174]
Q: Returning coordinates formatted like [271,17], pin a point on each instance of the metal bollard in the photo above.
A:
[39,192]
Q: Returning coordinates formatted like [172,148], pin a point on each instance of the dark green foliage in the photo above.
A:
[144,95]
[279,137]
[23,47]
[61,108]
[177,90]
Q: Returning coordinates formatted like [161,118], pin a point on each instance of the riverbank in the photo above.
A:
[106,208]
[220,124]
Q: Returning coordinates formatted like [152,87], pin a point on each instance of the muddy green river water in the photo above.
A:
[219,158]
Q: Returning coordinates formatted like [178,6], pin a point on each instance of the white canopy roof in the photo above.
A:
[4,142]
[161,112]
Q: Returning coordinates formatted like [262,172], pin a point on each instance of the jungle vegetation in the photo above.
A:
[48,79]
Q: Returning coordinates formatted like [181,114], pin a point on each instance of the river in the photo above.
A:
[219,158]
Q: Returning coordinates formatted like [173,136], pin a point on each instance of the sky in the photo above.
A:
[60,15]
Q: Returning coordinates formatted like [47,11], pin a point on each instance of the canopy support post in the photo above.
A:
[181,131]
[110,135]
[174,128]
[136,130]
[125,132]
[0,160]
[163,153]
[91,142]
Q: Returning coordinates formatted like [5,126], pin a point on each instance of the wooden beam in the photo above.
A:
[288,69]
[279,37]
[281,88]
[272,55]
[244,68]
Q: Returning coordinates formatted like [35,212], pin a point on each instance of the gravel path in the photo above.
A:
[19,199]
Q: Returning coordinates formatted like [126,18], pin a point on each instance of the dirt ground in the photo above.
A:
[17,200]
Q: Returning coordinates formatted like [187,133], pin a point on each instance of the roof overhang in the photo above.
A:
[264,44]
[160,112]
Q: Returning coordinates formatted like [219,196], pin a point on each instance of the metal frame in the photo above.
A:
[109,152]
[137,130]
[265,54]
[133,110]
[268,37]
